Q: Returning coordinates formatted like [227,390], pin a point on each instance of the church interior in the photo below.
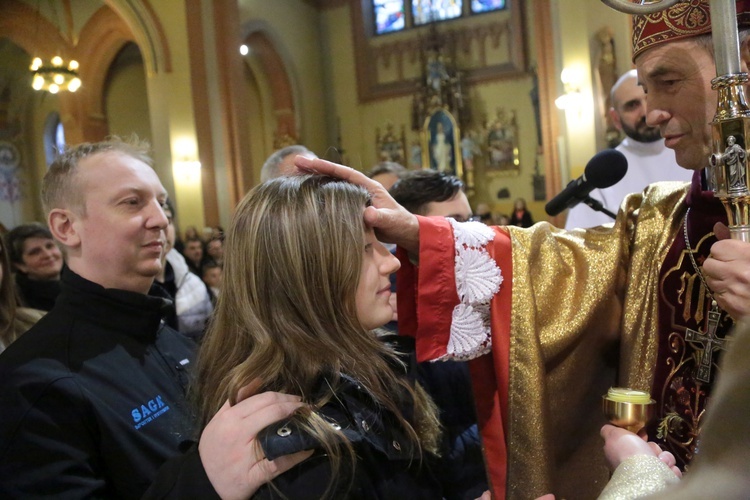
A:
[521,88]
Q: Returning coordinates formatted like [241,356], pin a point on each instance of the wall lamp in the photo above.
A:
[572,99]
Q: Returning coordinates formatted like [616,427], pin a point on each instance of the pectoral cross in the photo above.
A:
[709,343]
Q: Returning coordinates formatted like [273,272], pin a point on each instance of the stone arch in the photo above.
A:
[259,40]
[147,31]
[100,40]
[44,40]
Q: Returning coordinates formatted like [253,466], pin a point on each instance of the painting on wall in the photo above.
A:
[502,144]
[441,141]
[391,147]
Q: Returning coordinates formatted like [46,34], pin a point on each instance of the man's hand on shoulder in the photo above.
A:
[232,458]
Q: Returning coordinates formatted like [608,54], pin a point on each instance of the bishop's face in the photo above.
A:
[676,77]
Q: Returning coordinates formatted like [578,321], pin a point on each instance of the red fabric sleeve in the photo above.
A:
[489,374]
[426,297]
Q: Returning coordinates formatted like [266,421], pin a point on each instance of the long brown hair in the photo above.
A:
[287,312]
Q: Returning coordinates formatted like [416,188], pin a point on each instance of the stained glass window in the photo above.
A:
[426,11]
[393,15]
[478,6]
[389,16]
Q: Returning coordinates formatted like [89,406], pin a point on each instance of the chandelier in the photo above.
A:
[55,76]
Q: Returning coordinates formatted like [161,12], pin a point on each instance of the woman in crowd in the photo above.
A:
[38,262]
[521,216]
[14,320]
[305,284]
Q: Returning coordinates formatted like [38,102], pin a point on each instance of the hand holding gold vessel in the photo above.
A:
[628,408]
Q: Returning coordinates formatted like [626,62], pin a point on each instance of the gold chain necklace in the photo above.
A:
[714,305]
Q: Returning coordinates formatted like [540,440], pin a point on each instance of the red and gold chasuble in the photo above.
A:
[577,312]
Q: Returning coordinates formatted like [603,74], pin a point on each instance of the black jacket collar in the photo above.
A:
[127,312]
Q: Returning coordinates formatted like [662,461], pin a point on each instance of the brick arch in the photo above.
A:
[282,92]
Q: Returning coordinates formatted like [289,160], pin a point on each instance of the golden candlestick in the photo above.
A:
[628,408]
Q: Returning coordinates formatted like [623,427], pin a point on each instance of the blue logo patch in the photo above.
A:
[148,412]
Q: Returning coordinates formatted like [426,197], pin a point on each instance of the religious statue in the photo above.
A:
[441,151]
[440,143]
[734,158]
[469,149]
[415,155]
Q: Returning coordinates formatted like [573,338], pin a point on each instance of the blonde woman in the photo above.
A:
[305,285]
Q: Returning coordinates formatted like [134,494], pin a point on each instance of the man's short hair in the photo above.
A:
[16,237]
[59,187]
[387,167]
[270,169]
[415,189]
[211,264]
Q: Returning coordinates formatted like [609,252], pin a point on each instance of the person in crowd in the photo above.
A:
[649,159]
[215,251]
[92,398]
[429,192]
[281,162]
[193,254]
[212,278]
[37,261]
[304,326]
[217,233]
[14,320]
[501,220]
[387,173]
[433,193]
[521,216]
[551,319]
[192,301]
[484,213]
[191,233]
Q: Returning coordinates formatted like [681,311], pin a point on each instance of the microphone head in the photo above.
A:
[606,168]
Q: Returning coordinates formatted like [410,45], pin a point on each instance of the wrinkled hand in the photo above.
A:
[620,444]
[392,222]
[233,461]
[727,272]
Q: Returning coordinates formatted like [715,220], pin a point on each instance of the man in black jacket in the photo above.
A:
[93,398]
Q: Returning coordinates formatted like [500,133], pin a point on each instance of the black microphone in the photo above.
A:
[605,169]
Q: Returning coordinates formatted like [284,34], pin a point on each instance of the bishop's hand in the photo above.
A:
[392,222]
[727,272]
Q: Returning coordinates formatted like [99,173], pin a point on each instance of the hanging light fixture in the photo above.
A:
[55,76]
